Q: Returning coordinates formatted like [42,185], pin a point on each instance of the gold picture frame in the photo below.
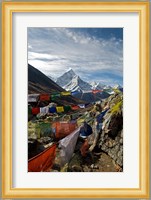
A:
[8,8]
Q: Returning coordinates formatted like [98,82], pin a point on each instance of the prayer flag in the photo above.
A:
[67,146]
[43,161]
[65,93]
[35,110]
[44,97]
[67,108]
[74,107]
[54,96]
[33,98]
[52,109]
[81,105]
[62,129]
[60,109]
[44,110]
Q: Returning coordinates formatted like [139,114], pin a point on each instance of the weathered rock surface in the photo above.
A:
[111,138]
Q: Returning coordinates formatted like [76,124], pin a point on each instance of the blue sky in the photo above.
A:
[95,54]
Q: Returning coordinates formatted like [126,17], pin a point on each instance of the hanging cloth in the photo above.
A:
[43,161]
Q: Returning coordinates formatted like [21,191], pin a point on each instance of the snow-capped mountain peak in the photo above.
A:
[77,84]
[93,85]
[70,71]
[66,77]
[96,85]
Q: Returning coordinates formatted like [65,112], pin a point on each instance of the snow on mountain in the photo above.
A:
[97,85]
[72,82]
[65,78]
[93,85]
[100,85]
[77,84]
[107,87]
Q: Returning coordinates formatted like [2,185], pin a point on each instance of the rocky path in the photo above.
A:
[93,162]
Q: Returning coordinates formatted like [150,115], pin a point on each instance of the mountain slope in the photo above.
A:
[40,83]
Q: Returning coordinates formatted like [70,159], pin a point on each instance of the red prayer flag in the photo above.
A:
[35,110]
[44,97]
[74,107]
[43,161]
[62,129]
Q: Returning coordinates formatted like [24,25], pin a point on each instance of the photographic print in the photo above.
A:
[66,67]
[75,99]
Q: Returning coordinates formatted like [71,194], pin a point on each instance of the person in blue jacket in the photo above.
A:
[85,130]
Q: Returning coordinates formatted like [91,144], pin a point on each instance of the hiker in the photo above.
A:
[98,125]
[85,131]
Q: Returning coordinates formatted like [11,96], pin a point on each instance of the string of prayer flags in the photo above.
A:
[65,93]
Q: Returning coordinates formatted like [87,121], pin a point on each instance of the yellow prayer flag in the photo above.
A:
[66,93]
[60,109]
[80,121]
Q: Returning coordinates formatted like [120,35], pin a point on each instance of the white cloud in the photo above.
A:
[54,50]
[33,56]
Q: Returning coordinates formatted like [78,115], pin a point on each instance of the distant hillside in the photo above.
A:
[39,83]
